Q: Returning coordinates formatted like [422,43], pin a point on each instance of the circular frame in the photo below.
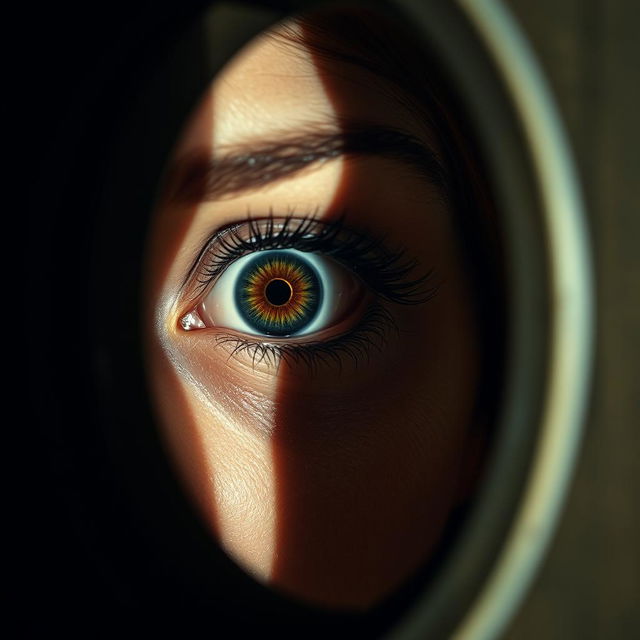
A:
[548,258]
[550,312]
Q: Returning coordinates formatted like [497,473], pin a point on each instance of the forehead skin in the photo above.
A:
[275,82]
[312,484]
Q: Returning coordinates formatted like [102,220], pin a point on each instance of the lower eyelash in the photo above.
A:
[371,333]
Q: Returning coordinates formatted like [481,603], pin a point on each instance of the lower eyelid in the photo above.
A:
[357,344]
[341,295]
[351,318]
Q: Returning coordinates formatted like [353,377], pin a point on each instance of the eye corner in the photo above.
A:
[190,321]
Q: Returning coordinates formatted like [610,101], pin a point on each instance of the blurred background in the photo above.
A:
[589,584]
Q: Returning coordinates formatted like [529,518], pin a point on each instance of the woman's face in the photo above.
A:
[314,379]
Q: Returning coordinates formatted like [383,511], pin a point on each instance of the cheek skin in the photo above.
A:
[313,483]
[368,476]
[217,435]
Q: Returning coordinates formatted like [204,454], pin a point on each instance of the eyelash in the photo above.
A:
[371,332]
[382,270]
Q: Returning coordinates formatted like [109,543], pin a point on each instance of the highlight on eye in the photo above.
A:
[299,287]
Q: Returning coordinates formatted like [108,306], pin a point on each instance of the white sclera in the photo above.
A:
[219,308]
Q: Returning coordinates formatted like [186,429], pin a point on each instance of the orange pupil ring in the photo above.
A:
[278,292]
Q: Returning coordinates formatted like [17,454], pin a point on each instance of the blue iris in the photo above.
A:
[278,293]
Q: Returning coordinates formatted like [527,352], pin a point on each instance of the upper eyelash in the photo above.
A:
[383,269]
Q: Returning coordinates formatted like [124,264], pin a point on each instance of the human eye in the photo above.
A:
[300,289]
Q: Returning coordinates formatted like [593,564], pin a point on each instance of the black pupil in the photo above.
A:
[278,292]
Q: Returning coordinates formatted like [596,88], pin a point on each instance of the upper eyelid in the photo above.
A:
[391,267]
[231,227]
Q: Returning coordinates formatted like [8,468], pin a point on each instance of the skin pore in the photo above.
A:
[331,483]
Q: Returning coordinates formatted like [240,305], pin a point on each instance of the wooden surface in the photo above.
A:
[589,585]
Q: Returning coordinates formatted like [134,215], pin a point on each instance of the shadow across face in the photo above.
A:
[372,464]
[335,469]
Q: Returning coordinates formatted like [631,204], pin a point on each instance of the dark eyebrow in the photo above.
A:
[198,177]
